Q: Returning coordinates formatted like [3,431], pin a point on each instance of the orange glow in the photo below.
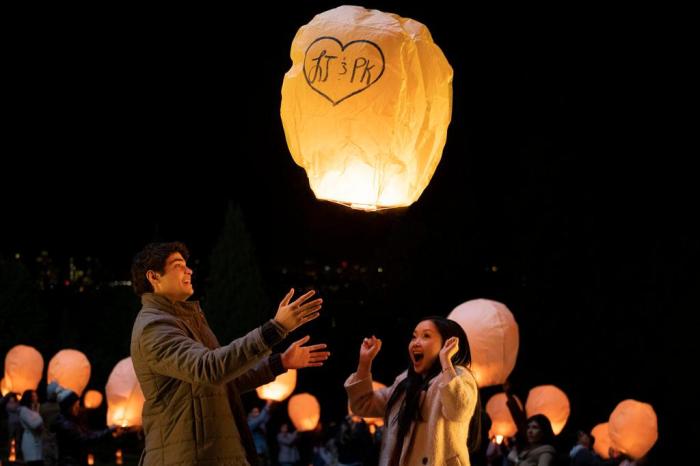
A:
[304,411]
[280,388]
[93,399]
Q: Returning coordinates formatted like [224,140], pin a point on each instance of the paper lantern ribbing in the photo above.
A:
[493,339]
[632,428]
[602,440]
[376,421]
[366,106]
[550,401]
[304,411]
[24,367]
[280,388]
[124,396]
[93,399]
[70,369]
[502,422]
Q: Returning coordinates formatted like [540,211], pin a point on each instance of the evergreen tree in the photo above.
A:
[236,302]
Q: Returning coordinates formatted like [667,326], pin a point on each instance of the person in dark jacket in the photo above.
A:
[193,414]
[73,438]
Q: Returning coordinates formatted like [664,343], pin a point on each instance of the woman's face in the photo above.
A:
[534,433]
[425,346]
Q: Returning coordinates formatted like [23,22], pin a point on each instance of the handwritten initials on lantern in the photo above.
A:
[338,71]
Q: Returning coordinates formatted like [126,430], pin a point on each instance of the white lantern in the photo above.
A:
[304,411]
[124,396]
[502,422]
[280,388]
[550,401]
[602,440]
[365,106]
[493,339]
[632,427]
[70,369]
[24,367]
[92,399]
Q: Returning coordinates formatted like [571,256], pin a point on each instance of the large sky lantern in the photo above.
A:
[280,388]
[304,411]
[376,421]
[366,106]
[550,401]
[124,396]
[502,423]
[70,369]
[602,440]
[24,367]
[633,429]
[493,339]
[92,399]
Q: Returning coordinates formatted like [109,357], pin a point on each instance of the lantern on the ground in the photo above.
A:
[304,411]
[602,440]
[23,368]
[493,339]
[365,106]
[632,427]
[70,369]
[502,423]
[371,421]
[550,401]
[280,388]
[92,399]
[124,396]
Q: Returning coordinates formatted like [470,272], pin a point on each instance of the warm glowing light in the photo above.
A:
[304,411]
[366,106]
[493,339]
[550,401]
[280,388]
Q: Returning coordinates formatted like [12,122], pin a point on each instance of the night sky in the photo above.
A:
[556,174]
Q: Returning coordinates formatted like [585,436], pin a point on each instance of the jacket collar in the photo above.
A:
[183,308]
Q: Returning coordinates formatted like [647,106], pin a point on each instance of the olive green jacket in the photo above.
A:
[193,413]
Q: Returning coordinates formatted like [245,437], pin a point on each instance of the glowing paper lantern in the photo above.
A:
[550,401]
[372,421]
[502,423]
[23,368]
[124,396]
[632,427]
[280,388]
[365,106]
[304,411]
[493,339]
[5,386]
[93,399]
[70,369]
[602,440]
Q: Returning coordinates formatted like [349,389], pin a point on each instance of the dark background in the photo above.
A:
[558,194]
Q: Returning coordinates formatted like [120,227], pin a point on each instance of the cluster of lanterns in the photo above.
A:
[70,369]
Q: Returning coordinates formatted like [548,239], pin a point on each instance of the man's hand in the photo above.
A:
[298,357]
[291,316]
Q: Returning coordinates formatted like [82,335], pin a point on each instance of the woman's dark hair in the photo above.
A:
[153,257]
[415,383]
[26,399]
[545,426]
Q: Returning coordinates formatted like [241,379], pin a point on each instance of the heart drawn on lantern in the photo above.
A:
[338,71]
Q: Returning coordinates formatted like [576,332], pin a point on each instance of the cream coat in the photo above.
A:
[447,408]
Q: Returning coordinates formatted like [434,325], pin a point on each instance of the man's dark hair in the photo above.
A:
[153,257]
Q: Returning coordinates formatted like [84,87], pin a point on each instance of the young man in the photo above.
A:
[193,413]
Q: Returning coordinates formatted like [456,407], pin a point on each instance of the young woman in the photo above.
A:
[432,410]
